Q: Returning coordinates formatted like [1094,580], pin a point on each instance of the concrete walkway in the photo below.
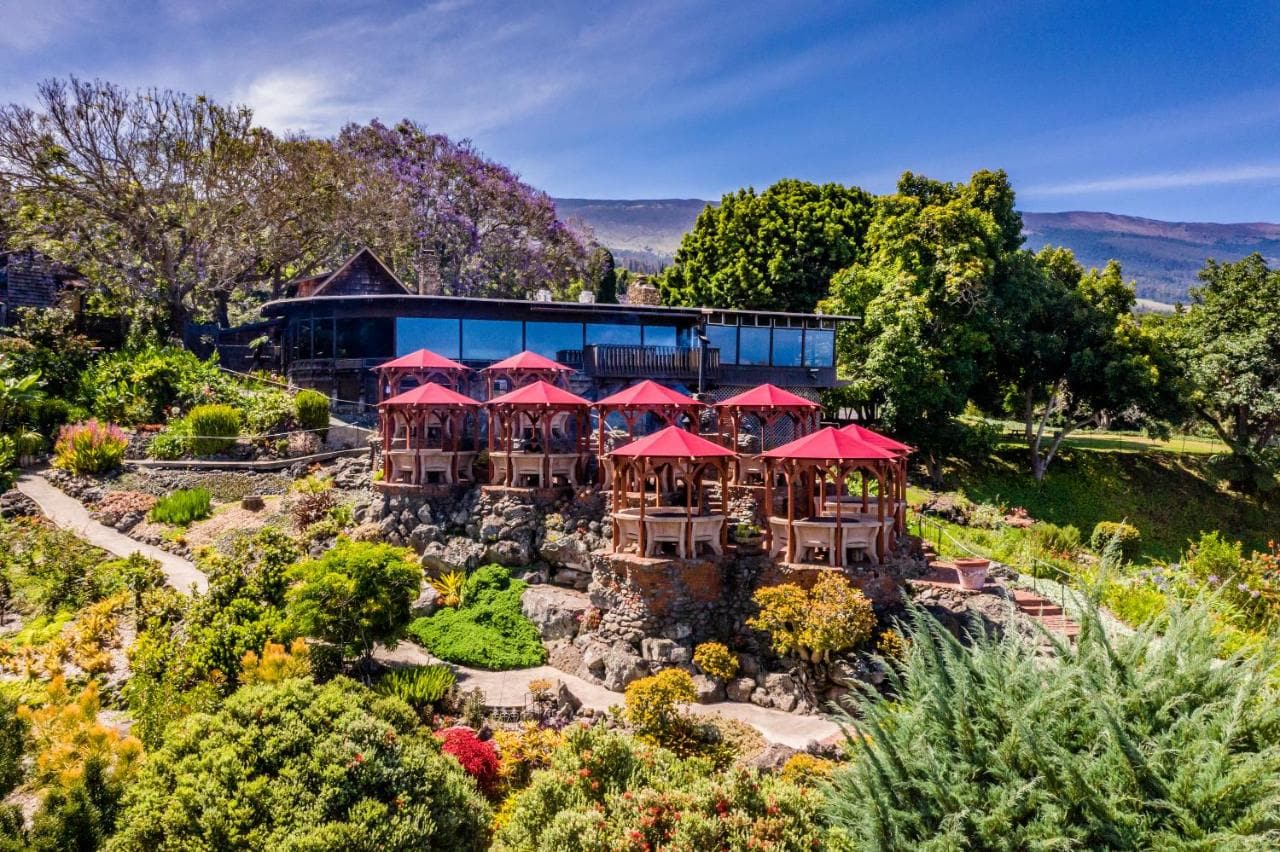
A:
[509,689]
[70,514]
[503,689]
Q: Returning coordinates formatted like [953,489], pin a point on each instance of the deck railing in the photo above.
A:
[650,362]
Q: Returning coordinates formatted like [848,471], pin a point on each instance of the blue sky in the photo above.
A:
[1162,109]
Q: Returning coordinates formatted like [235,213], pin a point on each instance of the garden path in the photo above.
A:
[508,689]
[70,514]
[500,688]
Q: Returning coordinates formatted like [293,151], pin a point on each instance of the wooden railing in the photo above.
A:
[650,362]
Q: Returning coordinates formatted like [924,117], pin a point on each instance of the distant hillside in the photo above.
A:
[1163,257]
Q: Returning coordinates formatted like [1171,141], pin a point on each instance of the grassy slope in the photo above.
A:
[1170,497]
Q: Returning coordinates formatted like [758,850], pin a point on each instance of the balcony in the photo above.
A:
[648,362]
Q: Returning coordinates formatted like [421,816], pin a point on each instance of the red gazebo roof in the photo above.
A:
[874,438]
[541,393]
[648,394]
[671,443]
[767,396]
[830,443]
[429,395]
[527,360]
[423,359]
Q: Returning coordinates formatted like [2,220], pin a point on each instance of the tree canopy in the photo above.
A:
[776,250]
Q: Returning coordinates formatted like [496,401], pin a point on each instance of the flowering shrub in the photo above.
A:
[653,703]
[715,660]
[808,770]
[605,790]
[832,616]
[478,757]
[90,447]
[1250,586]
[525,751]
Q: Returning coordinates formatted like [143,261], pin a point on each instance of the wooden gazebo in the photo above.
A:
[538,431]
[523,369]
[424,435]
[818,516]
[647,474]
[769,406]
[422,367]
[632,406]
[898,483]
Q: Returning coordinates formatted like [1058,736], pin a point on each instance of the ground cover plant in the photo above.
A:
[182,507]
[487,630]
[1151,740]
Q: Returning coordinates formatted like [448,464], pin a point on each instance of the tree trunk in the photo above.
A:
[221,309]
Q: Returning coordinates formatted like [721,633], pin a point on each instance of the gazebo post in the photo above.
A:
[546,448]
[643,536]
[880,543]
[791,513]
[724,502]
[839,536]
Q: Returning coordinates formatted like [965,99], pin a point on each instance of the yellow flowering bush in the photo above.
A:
[715,660]
[67,735]
[653,703]
[524,751]
[276,664]
[831,617]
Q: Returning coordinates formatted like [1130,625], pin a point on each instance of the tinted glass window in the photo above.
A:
[787,347]
[819,348]
[550,338]
[657,335]
[302,339]
[438,335]
[724,338]
[490,340]
[322,338]
[753,345]
[613,334]
[364,338]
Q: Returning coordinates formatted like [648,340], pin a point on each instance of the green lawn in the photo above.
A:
[1170,497]
[1121,442]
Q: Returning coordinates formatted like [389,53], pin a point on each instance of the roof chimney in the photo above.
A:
[429,281]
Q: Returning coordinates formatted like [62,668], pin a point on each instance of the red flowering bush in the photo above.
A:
[478,757]
[90,447]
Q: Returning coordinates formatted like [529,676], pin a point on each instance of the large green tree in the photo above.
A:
[1229,342]
[1075,355]
[775,250]
[940,260]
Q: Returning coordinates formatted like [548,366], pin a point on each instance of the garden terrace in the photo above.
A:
[419,368]
[774,413]
[651,475]
[523,369]
[430,435]
[821,515]
[538,434]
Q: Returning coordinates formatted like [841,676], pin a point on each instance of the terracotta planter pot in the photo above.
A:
[972,573]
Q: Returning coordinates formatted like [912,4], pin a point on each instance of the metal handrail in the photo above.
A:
[1061,578]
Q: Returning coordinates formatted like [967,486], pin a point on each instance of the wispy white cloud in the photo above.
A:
[284,100]
[1161,180]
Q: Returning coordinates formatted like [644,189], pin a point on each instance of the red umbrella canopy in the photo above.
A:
[541,394]
[649,394]
[673,443]
[830,444]
[431,395]
[767,396]
[527,360]
[423,359]
[874,438]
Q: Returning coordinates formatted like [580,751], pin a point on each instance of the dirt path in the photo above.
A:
[70,514]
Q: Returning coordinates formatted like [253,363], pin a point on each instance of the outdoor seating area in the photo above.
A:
[828,496]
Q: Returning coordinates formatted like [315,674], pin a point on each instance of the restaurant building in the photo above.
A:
[331,330]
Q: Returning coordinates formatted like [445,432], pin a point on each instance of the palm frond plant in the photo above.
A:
[421,687]
[449,586]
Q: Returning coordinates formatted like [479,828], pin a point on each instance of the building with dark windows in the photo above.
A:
[331,330]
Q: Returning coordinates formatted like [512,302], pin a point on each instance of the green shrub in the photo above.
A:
[142,386]
[173,442]
[715,660]
[182,507]
[356,595]
[653,703]
[311,409]
[488,630]
[1060,541]
[293,765]
[605,790]
[8,460]
[213,428]
[421,687]
[267,411]
[51,569]
[13,742]
[1141,741]
[90,448]
[1127,537]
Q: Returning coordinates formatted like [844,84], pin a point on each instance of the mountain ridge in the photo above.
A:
[1162,257]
